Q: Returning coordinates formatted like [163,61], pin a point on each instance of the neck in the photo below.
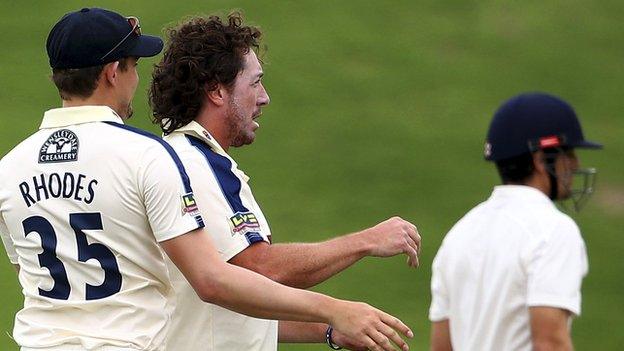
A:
[215,124]
[75,102]
[539,182]
[93,100]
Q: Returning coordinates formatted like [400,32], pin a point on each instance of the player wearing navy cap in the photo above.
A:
[89,204]
[508,274]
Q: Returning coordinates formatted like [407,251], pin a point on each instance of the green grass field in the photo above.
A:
[381,110]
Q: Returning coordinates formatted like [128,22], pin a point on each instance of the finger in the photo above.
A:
[413,261]
[371,345]
[410,251]
[413,233]
[381,340]
[396,324]
[411,242]
[412,256]
[419,243]
[392,335]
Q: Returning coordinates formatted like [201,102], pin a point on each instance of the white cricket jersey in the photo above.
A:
[514,251]
[84,202]
[234,221]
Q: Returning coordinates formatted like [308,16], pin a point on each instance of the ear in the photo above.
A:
[217,96]
[109,73]
[539,162]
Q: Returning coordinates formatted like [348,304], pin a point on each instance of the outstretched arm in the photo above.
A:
[249,293]
[306,332]
[306,265]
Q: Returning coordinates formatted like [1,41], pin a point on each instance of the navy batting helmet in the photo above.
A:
[530,122]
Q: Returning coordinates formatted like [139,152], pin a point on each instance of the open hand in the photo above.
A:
[367,328]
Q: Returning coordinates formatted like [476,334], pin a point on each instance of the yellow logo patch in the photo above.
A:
[244,222]
[189,205]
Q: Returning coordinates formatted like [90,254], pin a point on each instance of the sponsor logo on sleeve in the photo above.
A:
[244,222]
[189,205]
[61,146]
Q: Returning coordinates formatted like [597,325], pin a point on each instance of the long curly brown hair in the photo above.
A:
[201,54]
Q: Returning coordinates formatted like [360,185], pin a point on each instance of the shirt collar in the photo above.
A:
[527,193]
[195,129]
[66,116]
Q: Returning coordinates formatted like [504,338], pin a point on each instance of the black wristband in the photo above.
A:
[328,339]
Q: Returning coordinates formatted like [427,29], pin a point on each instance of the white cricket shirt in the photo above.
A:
[234,221]
[83,204]
[511,252]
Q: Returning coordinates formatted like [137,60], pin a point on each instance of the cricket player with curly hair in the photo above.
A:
[207,95]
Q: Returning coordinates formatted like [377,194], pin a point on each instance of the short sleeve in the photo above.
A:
[219,218]
[232,224]
[7,241]
[556,269]
[168,197]
[439,309]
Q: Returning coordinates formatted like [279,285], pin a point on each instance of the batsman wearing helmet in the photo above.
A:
[508,274]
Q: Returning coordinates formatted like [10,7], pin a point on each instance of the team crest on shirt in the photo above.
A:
[244,222]
[61,146]
[189,205]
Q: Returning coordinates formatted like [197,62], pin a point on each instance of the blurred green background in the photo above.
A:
[380,109]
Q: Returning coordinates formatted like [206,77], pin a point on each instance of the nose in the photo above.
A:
[263,98]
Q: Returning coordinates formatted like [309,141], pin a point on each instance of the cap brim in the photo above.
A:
[146,46]
[585,144]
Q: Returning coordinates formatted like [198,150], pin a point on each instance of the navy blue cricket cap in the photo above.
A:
[533,121]
[94,36]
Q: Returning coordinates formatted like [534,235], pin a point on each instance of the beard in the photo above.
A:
[125,112]
[129,111]
[240,133]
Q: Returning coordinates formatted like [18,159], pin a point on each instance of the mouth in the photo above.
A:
[255,117]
